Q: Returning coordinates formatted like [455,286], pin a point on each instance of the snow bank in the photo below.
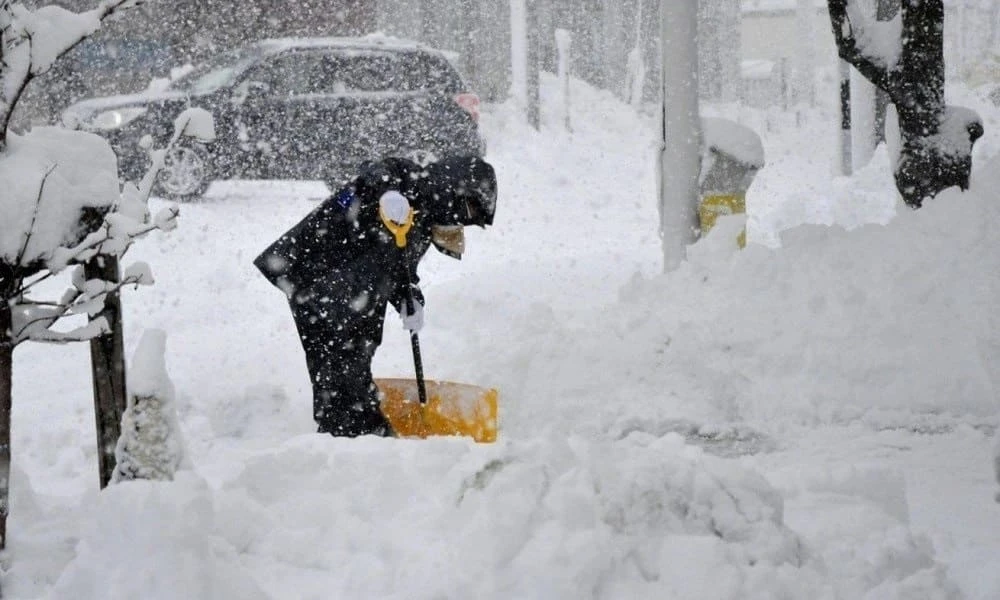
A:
[839,323]
[639,517]
[153,540]
[996,460]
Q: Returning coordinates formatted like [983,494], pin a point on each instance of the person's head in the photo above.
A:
[460,191]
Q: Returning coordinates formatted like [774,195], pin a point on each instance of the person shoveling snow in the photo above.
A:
[358,252]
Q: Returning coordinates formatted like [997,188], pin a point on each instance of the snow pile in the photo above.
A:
[738,141]
[854,523]
[196,123]
[150,540]
[150,445]
[996,460]
[638,517]
[847,318]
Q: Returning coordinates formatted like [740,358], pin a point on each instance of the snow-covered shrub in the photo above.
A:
[150,446]
[62,207]
[171,552]
[57,188]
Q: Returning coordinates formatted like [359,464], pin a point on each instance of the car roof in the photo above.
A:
[368,42]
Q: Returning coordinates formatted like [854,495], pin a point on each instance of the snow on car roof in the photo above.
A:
[371,41]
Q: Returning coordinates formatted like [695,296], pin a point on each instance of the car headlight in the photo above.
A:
[115,118]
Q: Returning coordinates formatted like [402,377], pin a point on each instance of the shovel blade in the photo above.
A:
[451,409]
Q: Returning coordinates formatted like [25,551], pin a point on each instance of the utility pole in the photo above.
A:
[680,158]
[845,118]
[534,106]
[885,11]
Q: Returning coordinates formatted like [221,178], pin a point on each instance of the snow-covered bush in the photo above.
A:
[62,206]
[150,445]
[58,188]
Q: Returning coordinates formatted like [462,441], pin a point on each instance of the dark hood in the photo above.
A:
[464,191]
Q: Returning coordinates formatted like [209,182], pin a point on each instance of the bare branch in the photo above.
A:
[34,217]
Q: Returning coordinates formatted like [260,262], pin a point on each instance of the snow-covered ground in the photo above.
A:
[811,417]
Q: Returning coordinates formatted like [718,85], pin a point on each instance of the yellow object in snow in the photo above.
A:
[454,409]
[712,207]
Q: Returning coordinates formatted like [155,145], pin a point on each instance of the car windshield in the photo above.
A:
[216,73]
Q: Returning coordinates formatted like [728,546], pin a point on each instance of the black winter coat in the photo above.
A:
[344,252]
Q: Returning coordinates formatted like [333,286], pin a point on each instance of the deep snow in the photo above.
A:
[809,417]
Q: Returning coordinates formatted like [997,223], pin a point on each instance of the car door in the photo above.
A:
[380,107]
[282,102]
[320,119]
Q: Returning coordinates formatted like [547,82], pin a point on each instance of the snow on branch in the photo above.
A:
[873,47]
[33,320]
[41,233]
[114,237]
[32,39]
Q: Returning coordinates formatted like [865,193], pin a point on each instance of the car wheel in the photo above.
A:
[186,173]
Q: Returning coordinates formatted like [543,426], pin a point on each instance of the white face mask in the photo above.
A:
[396,214]
[394,206]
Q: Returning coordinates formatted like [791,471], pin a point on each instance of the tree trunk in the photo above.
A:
[107,357]
[6,372]
[927,164]
[919,100]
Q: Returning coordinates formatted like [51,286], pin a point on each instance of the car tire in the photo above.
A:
[186,173]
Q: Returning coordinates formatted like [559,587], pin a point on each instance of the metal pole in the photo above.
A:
[846,166]
[680,158]
[886,11]
[534,77]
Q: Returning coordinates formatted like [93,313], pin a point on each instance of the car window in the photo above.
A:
[215,73]
[374,71]
[348,72]
[294,74]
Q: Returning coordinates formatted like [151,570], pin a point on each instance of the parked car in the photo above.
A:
[306,108]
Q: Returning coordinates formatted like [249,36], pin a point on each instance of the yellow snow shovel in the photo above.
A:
[420,408]
[448,409]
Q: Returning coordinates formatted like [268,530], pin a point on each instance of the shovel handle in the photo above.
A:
[418,363]
[419,367]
